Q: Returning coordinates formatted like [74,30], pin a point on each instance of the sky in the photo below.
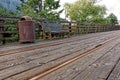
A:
[113,6]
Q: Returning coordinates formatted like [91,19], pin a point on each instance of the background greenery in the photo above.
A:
[81,10]
[39,9]
[89,11]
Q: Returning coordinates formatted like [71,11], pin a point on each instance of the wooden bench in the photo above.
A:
[53,30]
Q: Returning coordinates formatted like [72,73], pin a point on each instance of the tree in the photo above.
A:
[41,9]
[5,12]
[85,10]
[112,19]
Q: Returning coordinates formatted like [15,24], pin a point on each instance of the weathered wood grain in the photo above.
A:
[16,66]
[71,71]
[115,73]
[100,69]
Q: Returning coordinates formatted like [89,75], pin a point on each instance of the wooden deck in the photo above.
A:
[101,62]
[102,65]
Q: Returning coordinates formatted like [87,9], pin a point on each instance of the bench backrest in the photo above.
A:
[52,27]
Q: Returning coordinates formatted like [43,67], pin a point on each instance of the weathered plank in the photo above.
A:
[101,68]
[32,72]
[115,73]
[73,70]
[7,48]
[32,63]
[51,53]
[50,60]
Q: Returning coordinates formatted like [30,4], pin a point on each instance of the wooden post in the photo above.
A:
[2,41]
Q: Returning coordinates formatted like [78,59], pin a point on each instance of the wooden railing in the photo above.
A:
[9,29]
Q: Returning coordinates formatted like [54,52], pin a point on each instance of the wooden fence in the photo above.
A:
[9,29]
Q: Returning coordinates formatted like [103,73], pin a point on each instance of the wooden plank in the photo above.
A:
[115,74]
[30,64]
[40,60]
[39,69]
[49,58]
[13,47]
[101,68]
[9,18]
[42,54]
[10,25]
[8,32]
[71,71]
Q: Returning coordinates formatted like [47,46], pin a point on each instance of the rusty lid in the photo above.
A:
[27,18]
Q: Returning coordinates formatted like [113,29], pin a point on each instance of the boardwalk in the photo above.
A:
[84,57]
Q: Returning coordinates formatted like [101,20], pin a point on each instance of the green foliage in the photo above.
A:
[35,9]
[5,12]
[12,26]
[112,19]
[8,13]
[86,11]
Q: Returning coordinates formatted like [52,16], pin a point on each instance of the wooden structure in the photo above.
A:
[49,29]
[8,30]
[1,31]
[89,57]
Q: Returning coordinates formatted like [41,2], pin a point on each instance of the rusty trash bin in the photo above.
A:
[26,30]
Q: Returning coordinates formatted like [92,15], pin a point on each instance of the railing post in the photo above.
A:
[2,41]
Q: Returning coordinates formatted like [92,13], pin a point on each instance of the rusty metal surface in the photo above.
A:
[26,31]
